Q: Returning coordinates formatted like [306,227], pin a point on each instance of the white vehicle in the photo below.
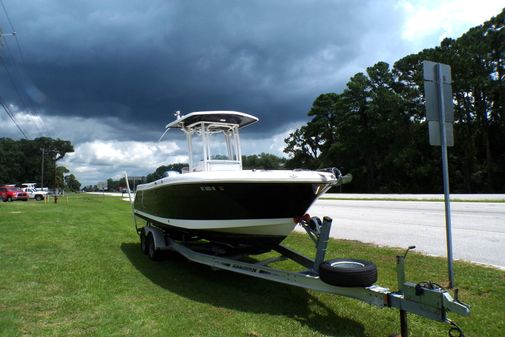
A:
[34,193]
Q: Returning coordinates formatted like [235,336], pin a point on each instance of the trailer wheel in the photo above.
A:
[348,272]
[151,248]
[38,197]
[143,241]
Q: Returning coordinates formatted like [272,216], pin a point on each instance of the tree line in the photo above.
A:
[265,161]
[35,161]
[376,127]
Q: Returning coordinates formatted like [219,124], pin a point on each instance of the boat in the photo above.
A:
[214,199]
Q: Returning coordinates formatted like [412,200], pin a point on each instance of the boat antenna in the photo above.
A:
[177,115]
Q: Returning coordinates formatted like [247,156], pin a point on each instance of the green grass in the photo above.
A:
[75,269]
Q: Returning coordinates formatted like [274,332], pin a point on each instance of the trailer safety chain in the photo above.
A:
[455,330]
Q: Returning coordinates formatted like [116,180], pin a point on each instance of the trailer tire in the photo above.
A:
[38,197]
[151,248]
[348,272]
[143,241]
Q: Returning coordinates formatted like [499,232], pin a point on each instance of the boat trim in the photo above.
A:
[249,176]
[250,226]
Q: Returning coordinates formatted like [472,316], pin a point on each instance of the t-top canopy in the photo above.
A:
[226,117]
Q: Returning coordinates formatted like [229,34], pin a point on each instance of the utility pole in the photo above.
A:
[56,190]
[42,170]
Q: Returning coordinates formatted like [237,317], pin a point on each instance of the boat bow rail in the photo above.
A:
[340,179]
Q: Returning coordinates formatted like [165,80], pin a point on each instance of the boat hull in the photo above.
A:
[253,236]
[255,209]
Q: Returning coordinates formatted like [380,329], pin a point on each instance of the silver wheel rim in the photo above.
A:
[347,264]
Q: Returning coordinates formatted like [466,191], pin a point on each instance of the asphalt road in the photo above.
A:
[478,228]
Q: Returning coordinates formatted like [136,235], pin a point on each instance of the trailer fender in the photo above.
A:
[158,236]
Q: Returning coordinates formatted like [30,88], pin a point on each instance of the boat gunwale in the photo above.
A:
[218,177]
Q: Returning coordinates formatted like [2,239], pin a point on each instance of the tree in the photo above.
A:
[59,177]
[302,148]
[264,161]
[11,158]
[54,150]
[158,173]
[376,128]
[24,158]
[72,183]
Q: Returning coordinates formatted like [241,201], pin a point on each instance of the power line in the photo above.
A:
[7,15]
[32,104]
[13,33]
[13,83]
[16,88]
[11,115]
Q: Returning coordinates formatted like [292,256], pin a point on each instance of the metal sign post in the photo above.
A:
[440,115]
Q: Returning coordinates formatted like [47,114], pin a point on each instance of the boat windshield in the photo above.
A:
[222,146]
[214,146]
[197,149]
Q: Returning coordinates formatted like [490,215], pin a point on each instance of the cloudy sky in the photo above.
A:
[108,75]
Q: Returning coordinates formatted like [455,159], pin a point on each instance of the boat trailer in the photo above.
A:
[424,299]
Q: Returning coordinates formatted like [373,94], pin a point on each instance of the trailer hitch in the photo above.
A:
[426,299]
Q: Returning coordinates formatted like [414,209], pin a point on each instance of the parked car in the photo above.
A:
[125,190]
[11,193]
[35,194]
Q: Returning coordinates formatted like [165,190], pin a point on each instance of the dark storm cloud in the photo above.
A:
[139,61]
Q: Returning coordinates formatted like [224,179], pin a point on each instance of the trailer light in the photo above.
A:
[386,300]
[304,218]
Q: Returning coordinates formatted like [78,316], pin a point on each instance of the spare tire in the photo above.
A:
[348,272]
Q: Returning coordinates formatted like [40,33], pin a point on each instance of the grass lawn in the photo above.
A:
[75,269]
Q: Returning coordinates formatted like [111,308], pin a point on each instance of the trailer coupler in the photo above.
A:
[425,299]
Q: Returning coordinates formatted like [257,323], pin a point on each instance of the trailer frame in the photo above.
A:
[424,299]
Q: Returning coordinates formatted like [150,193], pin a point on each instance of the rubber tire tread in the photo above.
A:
[143,242]
[153,254]
[357,276]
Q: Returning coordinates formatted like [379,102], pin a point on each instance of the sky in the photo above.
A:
[109,75]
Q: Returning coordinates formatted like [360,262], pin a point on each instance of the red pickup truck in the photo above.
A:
[11,193]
